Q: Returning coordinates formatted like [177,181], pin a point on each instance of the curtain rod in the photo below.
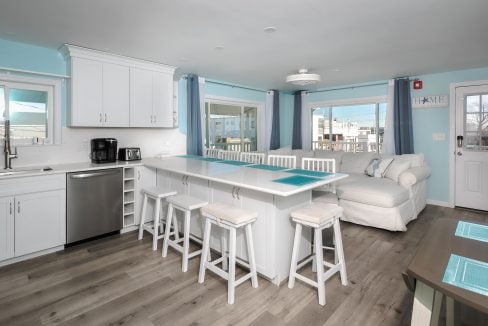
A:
[231,85]
[33,72]
[348,87]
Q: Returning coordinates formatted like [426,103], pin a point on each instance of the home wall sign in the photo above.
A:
[430,101]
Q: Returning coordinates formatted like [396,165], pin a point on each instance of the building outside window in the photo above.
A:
[231,125]
[353,128]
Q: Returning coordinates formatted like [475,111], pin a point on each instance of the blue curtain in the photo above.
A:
[194,118]
[275,128]
[402,117]
[297,121]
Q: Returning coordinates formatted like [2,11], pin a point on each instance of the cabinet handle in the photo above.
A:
[105,117]
[100,116]
[10,208]
[18,207]
[155,119]
[138,175]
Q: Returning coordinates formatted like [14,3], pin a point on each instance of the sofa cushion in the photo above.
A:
[352,177]
[414,159]
[280,151]
[396,169]
[379,192]
[301,153]
[336,155]
[356,162]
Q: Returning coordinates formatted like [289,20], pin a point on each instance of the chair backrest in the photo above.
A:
[319,164]
[229,155]
[286,161]
[250,157]
[211,152]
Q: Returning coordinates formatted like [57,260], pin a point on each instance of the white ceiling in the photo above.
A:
[365,40]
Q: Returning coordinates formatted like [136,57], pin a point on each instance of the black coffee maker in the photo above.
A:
[103,150]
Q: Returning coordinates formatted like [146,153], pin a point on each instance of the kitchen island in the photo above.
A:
[245,186]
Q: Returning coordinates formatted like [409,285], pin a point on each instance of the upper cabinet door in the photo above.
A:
[141,98]
[163,100]
[86,93]
[115,95]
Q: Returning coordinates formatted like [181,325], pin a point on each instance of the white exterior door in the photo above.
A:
[471,187]
[6,227]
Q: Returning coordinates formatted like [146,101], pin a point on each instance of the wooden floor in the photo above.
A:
[120,280]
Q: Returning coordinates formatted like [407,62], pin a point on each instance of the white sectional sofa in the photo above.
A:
[371,201]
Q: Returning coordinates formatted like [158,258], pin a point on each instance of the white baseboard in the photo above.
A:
[438,203]
[29,256]
[129,229]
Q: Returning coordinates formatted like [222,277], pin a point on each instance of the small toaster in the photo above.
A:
[129,154]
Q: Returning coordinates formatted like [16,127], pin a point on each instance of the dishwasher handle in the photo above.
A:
[93,174]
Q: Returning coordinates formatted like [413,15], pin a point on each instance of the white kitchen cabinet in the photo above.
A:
[151,98]
[198,188]
[86,93]
[144,178]
[32,214]
[6,227]
[163,100]
[40,221]
[115,95]
[141,98]
[110,90]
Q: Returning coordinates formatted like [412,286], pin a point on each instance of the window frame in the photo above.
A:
[376,100]
[242,104]
[53,88]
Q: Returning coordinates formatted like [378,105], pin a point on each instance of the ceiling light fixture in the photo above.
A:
[303,78]
[270,29]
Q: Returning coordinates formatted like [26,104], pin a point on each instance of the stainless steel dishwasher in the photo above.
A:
[94,203]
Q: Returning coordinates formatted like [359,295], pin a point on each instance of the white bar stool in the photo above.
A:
[157,194]
[185,204]
[318,216]
[229,218]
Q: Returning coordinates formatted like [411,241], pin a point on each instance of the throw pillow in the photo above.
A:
[373,165]
[397,168]
[382,167]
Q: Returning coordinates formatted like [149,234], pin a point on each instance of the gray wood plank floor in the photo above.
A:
[120,280]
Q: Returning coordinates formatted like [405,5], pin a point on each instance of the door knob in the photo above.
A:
[459,154]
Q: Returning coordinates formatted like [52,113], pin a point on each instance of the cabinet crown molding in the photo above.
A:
[68,51]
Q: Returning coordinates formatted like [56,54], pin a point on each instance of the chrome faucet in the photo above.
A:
[6,147]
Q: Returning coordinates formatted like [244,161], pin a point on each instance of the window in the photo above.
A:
[353,128]
[29,105]
[231,125]
[476,123]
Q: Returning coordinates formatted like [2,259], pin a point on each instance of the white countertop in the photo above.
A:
[67,168]
[239,176]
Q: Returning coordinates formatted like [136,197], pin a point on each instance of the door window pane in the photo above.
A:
[250,129]
[224,131]
[472,103]
[2,111]
[476,123]
[28,113]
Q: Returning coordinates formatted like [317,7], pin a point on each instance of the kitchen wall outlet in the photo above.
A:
[84,145]
[438,136]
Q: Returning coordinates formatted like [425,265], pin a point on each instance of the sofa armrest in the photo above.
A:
[413,176]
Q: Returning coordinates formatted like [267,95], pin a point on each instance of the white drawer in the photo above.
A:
[25,185]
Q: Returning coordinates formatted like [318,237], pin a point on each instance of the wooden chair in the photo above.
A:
[228,155]
[286,161]
[252,157]
[211,152]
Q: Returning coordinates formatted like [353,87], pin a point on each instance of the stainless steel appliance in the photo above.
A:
[103,150]
[94,203]
[129,154]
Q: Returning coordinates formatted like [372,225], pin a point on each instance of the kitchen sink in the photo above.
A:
[24,171]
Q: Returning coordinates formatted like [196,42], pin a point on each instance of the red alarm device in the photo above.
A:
[417,84]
